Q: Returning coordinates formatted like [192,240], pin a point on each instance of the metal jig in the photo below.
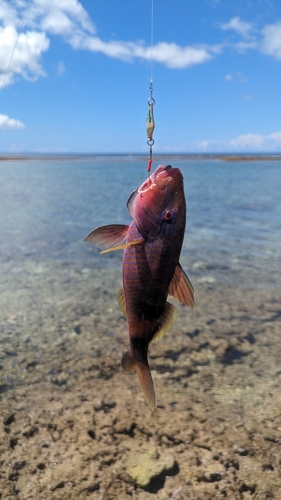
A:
[150,126]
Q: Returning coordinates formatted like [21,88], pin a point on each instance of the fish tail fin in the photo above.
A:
[146,382]
[130,364]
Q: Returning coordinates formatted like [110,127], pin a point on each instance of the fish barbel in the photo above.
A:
[151,268]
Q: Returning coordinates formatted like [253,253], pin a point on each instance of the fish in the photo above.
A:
[151,270]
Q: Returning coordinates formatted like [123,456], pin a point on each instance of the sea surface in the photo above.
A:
[233,237]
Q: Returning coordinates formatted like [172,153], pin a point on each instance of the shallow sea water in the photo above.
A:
[63,335]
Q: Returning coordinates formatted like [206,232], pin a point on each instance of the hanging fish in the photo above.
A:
[151,268]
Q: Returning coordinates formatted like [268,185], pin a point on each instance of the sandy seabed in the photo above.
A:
[74,426]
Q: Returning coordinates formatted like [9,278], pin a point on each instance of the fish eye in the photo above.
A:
[168,216]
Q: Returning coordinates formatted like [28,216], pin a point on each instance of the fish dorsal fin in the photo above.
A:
[121,302]
[166,321]
[180,287]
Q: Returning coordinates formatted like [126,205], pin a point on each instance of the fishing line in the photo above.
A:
[15,46]
[151,40]
[150,123]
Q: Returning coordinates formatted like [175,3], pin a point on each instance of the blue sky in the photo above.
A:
[79,78]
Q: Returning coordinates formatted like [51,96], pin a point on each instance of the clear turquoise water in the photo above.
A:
[233,218]
[50,276]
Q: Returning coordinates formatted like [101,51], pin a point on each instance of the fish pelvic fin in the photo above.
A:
[130,364]
[181,288]
[122,302]
[165,322]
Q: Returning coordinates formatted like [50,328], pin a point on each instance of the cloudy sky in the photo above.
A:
[78,78]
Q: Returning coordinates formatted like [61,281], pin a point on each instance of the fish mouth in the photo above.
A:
[160,178]
[162,184]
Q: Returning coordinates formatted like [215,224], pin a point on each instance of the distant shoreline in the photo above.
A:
[128,157]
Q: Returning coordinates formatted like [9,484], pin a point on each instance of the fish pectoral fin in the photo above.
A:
[108,237]
[122,302]
[126,245]
[180,287]
[111,237]
[166,321]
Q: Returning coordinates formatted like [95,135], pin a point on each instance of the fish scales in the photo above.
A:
[143,279]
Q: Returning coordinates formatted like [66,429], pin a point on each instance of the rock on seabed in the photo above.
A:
[147,467]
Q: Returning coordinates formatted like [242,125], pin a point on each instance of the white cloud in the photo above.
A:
[271,43]
[43,18]
[169,54]
[69,19]
[238,76]
[241,77]
[26,58]
[174,56]
[247,141]
[7,123]
[257,142]
[243,143]
[205,145]
[63,17]
[241,27]
[244,46]
[275,136]
[60,68]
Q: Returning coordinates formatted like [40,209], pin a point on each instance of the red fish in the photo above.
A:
[151,268]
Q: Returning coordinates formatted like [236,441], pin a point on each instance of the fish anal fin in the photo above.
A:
[122,302]
[166,321]
[180,287]
[128,363]
[108,237]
